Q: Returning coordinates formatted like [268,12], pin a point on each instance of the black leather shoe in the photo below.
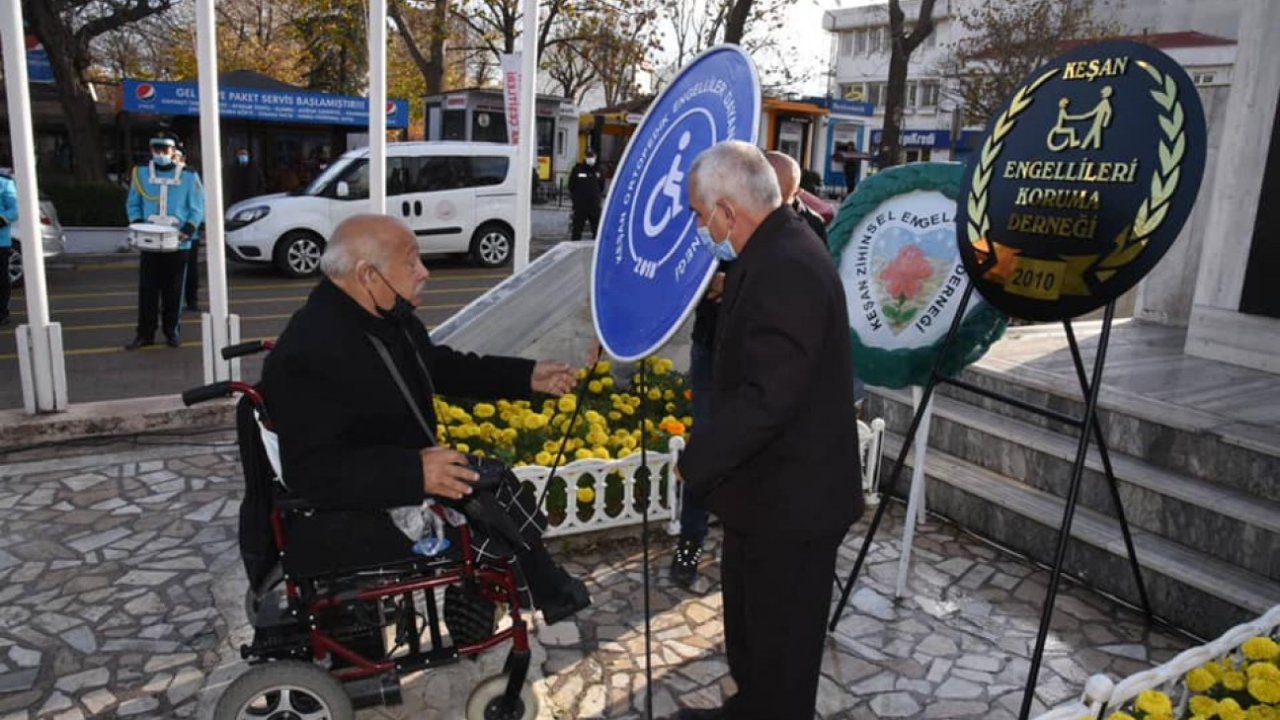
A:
[572,598]
[139,342]
[172,341]
[684,563]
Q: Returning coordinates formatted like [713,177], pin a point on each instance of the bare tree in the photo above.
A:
[901,44]
[68,28]
[571,70]
[1006,41]
[408,17]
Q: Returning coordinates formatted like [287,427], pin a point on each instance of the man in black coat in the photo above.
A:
[586,190]
[779,461]
[787,170]
[352,443]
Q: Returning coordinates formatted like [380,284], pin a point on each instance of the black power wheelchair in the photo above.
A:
[325,645]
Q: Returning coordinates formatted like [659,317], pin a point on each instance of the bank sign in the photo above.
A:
[917,138]
[292,106]
[649,267]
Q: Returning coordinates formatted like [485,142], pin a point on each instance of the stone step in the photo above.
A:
[1215,519]
[1175,437]
[1190,589]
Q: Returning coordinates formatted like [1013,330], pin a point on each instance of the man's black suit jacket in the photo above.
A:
[780,453]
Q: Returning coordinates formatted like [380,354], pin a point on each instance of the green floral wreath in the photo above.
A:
[982,326]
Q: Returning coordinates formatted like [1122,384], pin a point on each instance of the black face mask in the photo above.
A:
[401,311]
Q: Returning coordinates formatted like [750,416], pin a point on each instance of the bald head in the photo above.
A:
[788,172]
[372,238]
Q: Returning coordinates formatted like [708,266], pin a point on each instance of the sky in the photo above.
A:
[805,20]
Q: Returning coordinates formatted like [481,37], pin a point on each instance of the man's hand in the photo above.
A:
[716,289]
[553,378]
[445,473]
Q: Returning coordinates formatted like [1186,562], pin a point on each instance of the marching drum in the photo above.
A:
[153,237]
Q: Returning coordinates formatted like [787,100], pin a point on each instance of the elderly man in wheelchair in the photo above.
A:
[339,437]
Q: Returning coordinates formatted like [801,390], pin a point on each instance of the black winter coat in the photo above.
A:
[349,442]
[780,453]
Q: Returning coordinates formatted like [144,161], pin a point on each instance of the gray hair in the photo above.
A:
[736,170]
[359,237]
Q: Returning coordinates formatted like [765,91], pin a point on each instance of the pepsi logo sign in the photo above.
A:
[146,92]
[391,107]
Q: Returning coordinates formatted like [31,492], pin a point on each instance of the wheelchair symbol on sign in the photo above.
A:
[670,187]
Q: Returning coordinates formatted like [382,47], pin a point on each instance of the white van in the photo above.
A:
[457,197]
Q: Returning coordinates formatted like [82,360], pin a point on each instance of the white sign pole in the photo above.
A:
[40,357]
[915,496]
[378,106]
[218,325]
[528,135]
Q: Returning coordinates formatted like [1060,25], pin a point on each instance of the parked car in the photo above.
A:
[52,241]
[457,198]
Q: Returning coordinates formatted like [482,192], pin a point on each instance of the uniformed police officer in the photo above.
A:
[166,194]
[586,189]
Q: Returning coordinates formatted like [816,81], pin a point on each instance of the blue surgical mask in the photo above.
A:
[163,161]
[242,159]
[721,249]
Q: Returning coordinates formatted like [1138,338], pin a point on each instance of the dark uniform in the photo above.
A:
[586,189]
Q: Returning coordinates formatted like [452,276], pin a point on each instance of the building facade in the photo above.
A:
[1200,36]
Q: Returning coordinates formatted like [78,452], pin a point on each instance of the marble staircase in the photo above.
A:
[1199,487]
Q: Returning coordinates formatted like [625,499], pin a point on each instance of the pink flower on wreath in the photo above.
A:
[906,274]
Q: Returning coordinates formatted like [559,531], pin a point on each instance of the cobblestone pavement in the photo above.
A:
[121,596]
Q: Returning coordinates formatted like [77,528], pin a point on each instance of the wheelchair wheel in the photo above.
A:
[284,690]
[469,616]
[485,702]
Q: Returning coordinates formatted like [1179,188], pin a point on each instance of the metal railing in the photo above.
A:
[618,498]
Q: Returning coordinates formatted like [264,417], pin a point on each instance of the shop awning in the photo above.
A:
[258,103]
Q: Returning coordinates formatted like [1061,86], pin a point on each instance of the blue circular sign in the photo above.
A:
[649,268]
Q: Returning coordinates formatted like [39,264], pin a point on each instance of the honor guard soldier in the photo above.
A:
[165,206]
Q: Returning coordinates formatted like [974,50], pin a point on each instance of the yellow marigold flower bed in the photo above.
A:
[609,407]
[1244,685]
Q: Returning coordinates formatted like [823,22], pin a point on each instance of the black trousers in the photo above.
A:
[777,593]
[160,292]
[583,215]
[191,286]
[5,290]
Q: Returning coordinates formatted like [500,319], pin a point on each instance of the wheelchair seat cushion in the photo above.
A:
[258,549]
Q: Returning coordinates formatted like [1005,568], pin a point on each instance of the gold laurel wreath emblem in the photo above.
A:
[979,223]
[1131,241]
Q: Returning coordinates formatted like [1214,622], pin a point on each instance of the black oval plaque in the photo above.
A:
[1082,181]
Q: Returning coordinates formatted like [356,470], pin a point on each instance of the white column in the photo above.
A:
[1218,330]
[218,326]
[915,496]
[378,106]
[40,356]
[528,135]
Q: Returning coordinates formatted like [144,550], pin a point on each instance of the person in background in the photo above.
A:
[852,165]
[586,189]
[244,178]
[191,273]
[788,172]
[163,192]
[778,463]
[8,219]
